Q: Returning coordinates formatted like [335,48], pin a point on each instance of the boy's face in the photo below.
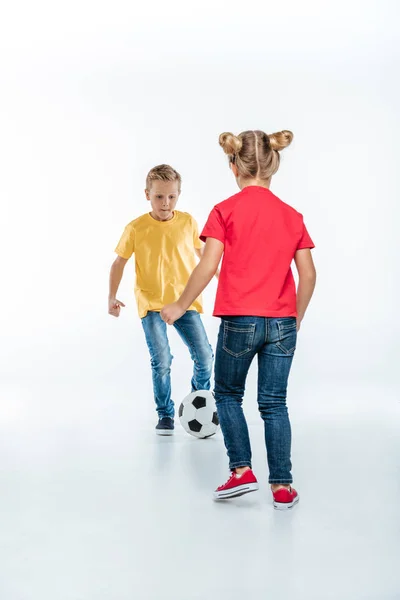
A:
[163,197]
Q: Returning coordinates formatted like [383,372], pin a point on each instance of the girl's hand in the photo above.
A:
[114,307]
[171,313]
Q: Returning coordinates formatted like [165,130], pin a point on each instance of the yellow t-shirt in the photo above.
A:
[164,258]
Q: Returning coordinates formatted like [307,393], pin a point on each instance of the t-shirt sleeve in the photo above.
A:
[126,245]
[215,227]
[305,240]
[197,243]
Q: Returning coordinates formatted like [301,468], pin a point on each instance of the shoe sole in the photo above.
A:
[240,490]
[285,505]
[164,431]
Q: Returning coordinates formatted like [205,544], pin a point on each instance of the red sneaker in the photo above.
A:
[285,498]
[237,485]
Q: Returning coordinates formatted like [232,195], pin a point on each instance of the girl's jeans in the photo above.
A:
[190,328]
[273,340]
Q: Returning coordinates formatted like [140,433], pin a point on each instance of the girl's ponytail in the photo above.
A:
[281,140]
[230,143]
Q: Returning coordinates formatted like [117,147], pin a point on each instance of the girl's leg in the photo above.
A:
[161,359]
[275,360]
[191,330]
[236,349]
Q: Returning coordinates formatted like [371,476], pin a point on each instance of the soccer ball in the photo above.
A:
[198,414]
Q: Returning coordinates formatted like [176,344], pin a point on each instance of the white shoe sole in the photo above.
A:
[239,490]
[286,505]
[164,431]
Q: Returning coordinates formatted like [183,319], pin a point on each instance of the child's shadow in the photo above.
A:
[164,453]
[204,460]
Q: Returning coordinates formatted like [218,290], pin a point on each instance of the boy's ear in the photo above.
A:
[147,194]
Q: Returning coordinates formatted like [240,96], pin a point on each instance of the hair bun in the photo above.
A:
[230,143]
[280,140]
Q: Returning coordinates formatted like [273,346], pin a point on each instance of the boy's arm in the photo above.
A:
[116,272]
[307,279]
[199,253]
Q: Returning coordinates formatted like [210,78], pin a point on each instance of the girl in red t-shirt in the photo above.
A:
[258,236]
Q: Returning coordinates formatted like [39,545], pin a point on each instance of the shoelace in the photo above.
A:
[228,480]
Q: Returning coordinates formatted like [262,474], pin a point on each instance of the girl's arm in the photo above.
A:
[199,253]
[307,278]
[199,280]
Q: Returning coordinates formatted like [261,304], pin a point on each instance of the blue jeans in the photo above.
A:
[191,329]
[274,342]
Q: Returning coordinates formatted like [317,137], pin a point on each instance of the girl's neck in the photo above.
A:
[243,183]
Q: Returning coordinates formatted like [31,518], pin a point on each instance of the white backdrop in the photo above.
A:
[94,94]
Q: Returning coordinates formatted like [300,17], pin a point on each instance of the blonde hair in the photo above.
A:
[255,153]
[163,173]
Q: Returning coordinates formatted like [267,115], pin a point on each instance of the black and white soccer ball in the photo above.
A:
[198,414]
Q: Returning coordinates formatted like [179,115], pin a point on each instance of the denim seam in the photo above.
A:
[234,354]
[281,330]
[281,481]
[286,327]
[237,465]
[285,350]
[248,330]
[282,327]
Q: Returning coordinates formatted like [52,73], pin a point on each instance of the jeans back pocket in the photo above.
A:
[287,331]
[238,337]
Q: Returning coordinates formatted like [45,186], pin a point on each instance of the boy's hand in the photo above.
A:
[114,307]
[171,313]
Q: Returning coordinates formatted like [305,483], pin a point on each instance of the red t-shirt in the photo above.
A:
[261,235]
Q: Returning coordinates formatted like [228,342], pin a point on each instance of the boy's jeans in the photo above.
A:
[274,341]
[191,329]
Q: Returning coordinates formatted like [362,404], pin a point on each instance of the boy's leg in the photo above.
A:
[161,359]
[236,348]
[191,329]
[275,360]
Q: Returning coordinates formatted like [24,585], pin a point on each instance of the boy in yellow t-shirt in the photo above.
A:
[164,242]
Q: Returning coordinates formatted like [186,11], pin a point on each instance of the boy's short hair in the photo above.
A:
[163,173]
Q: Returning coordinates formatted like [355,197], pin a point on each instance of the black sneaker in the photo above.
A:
[165,426]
